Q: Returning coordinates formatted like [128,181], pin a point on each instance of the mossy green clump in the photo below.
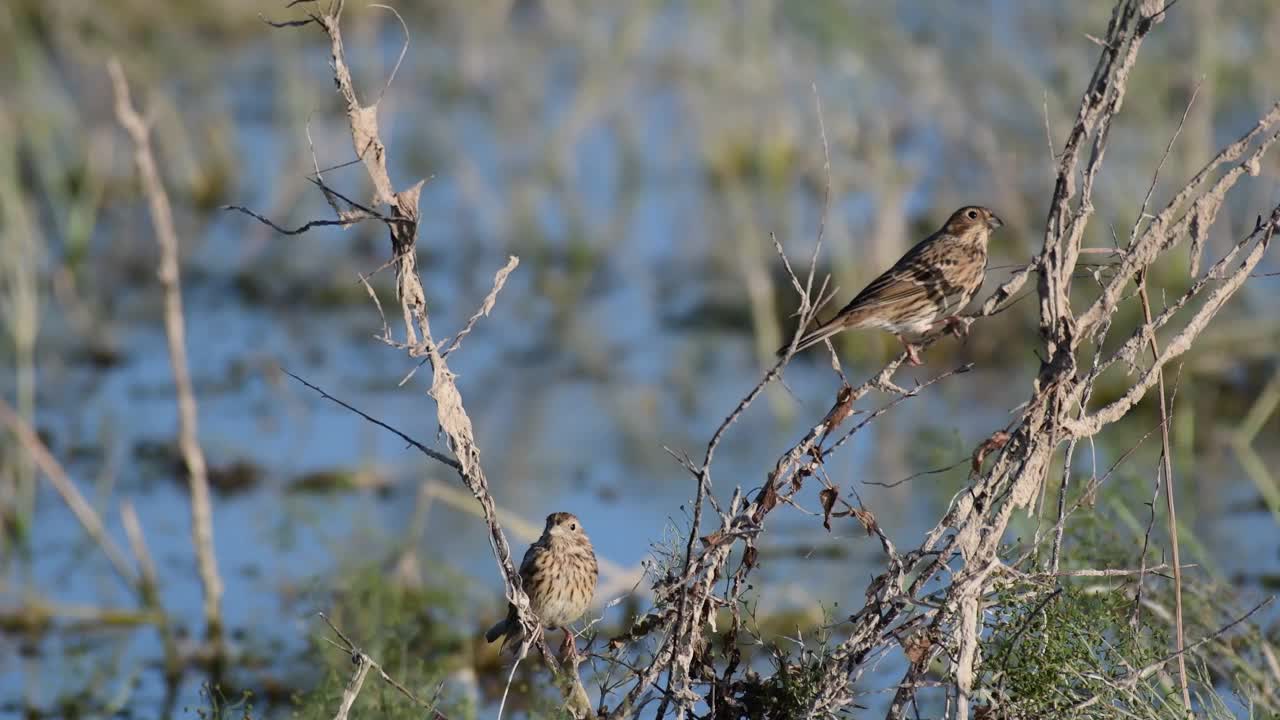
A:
[785,694]
[1049,650]
[415,633]
[218,705]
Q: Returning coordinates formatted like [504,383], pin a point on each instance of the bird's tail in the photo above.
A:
[509,629]
[813,337]
[500,628]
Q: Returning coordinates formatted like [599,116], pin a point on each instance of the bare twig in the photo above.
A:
[1166,454]
[310,224]
[401,219]
[364,663]
[149,588]
[353,686]
[826,195]
[511,676]
[1155,176]
[175,333]
[1132,678]
[67,490]
[499,279]
[929,600]
[404,48]
[1116,572]
[434,455]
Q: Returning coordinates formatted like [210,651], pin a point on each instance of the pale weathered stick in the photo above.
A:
[1166,455]
[353,686]
[364,663]
[143,581]
[1132,678]
[137,541]
[67,490]
[965,545]
[35,613]
[401,220]
[981,512]
[149,587]
[175,333]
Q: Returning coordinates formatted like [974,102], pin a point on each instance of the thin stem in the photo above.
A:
[1166,455]
[175,334]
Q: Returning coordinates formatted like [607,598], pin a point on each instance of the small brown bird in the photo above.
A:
[926,287]
[559,575]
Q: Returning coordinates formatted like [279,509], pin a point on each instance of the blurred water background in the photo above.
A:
[636,156]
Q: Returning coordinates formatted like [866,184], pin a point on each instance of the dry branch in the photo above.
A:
[175,334]
[1131,679]
[143,580]
[959,560]
[968,539]
[401,219]
[364,663]
[149,589]
[1166,456]
[68,491]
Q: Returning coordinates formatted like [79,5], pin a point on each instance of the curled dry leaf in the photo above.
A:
[1199,233]
[767,500]
[840,411]
[716,539]
[804,471]
[828,498]
[917,647]
[640,628]
[866,518]
[998,439]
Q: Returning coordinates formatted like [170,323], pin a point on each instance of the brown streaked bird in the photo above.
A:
[926,287]
[559,575]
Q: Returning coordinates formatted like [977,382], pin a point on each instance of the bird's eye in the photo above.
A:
[973,214]
[573,526]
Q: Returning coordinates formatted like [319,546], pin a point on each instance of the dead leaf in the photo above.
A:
[716,539]
[917,647]
[998,439]
[797,479]
[767,499]
[640,628]
[828,498]
[866,518]
[840,411]
[1199,233]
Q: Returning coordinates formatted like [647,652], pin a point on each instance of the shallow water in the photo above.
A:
[552,440]
[602,350]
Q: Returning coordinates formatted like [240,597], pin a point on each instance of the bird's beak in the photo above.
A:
[995,222]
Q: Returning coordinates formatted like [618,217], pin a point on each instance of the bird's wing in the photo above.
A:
[908,279]
[937,268]
[530,561]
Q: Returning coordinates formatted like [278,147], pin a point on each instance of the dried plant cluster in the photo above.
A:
[964,591]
